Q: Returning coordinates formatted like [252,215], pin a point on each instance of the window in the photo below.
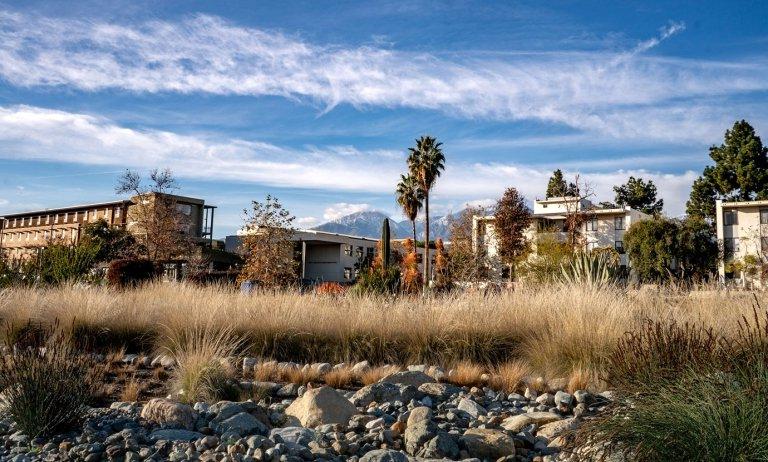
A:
[347,273]
[369,252]
[730,218]
[186,209]
[357,273]
[591,224]
[618,223]
[619,246]
[359,252]
[348,250]
[764,216]
[730,246]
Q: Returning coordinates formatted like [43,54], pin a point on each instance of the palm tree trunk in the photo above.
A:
[426,239]
[413,223]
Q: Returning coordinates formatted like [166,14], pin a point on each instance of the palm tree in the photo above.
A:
[425,162]
[410,197]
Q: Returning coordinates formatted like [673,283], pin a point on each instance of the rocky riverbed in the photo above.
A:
[405,416]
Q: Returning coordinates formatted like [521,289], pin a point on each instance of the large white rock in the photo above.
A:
[320,406]
[169,414]
[517,422]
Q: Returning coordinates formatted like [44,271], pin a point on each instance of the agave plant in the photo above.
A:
[590,269]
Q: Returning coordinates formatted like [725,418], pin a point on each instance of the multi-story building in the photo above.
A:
[21,234]
[742,234]
[323,256]
[600,227]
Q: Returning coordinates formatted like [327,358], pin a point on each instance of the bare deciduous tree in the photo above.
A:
[575,216]
[465,263]
[160,227]
[268,246]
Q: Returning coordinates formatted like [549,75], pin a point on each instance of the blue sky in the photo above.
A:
[317,102]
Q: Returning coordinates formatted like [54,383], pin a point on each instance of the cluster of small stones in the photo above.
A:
[407,416]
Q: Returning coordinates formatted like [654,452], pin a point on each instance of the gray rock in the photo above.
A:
[472,408]
[440,391]
[223,410]
[413,378]
[384,392]
[171,434]
[294,435]
[242,424]
[419,429]
[290,390]
[384,455]
[442,446]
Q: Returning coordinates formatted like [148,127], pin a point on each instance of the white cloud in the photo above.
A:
[3,201]
[33,133]
[341,209]
[306,222]
[617,94]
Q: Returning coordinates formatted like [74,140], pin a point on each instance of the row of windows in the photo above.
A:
[26,236]
[618,245]
[74,217]
[731,245]
[350,273]
[358,251]
[731,217]
[592,224]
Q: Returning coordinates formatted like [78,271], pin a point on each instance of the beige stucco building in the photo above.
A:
[742,234]
[601,228]
[23,233]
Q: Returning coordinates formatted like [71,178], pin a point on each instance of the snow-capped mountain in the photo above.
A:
[368,224]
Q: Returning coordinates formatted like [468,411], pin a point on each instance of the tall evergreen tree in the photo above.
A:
[426,162]
[740,171]
[639,195]
[557,187]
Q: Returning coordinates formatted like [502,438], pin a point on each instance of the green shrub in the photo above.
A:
[700,417]
[46,390]
[130,273]
[684,393]
[377,280]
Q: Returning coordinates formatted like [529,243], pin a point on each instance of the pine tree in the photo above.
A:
[639,195]
[740,171]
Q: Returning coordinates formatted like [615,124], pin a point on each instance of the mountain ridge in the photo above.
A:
[368,224]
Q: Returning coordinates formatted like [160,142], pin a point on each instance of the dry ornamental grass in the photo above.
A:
[552,331]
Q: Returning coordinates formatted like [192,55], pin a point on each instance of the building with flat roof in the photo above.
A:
[742,234]
[327,257]
[22,233]
[600,228]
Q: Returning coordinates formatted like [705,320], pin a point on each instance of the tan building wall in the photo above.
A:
[742,232]
[22,234]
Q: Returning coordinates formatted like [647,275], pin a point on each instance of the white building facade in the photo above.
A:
[742,236]
[600,228]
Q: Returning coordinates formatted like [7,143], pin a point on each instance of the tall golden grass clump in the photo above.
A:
[203,372]
[554,329]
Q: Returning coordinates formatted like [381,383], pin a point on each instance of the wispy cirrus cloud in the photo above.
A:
[34,133]
[623,95]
